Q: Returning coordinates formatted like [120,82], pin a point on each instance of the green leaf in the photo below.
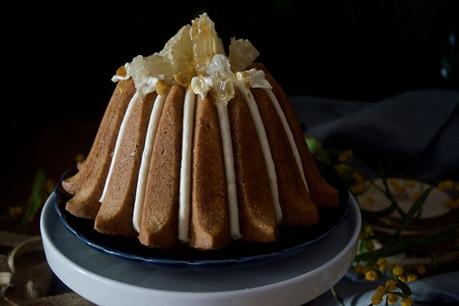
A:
[398,293]
[404,287]
[36,197]
[337,297]
[401,245]
[417,205]
[318,151]
[313,144]
[389,194]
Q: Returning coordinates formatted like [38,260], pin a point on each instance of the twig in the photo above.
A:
[337,297]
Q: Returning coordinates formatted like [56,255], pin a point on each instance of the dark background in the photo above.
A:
[58,61]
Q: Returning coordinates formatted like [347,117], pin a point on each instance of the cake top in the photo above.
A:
[195,57]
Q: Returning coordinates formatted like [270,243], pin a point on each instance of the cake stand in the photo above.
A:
[109,280]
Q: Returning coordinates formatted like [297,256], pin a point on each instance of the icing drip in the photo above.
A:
[201,85]
[230,175]
[288,131]
[134,99]
[264,145]
[185,166]
[146,157]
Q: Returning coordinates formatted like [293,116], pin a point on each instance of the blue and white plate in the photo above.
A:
[291,241]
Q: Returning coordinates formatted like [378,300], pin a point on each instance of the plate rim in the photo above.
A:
[205,263]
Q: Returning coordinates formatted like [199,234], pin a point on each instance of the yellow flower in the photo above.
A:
[371,275]
[402,278]
[397,270]
[390,284]
[380,290]
[411,278]
[381,261]
[407,301]
[443,185]
[392,298]
[367,268]
[368,230]
[382,264]
[421,270]
[345,155]
[376,299]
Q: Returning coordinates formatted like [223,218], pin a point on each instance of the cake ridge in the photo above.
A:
[228,157]
[263,138]
[121,131]
[115,213]
[146,157]
[289,133]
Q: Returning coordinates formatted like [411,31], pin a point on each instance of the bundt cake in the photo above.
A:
[198,148]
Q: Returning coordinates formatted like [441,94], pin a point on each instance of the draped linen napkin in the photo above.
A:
[417,131]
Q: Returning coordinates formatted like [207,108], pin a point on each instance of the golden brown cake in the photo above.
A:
[198,148]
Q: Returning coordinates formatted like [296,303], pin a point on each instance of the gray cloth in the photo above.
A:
[417,131]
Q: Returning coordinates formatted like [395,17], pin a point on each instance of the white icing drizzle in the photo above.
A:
[135,99]
[146,158]
[185,166]
[230,175]
[289,133]
[261,132]
[201,85]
